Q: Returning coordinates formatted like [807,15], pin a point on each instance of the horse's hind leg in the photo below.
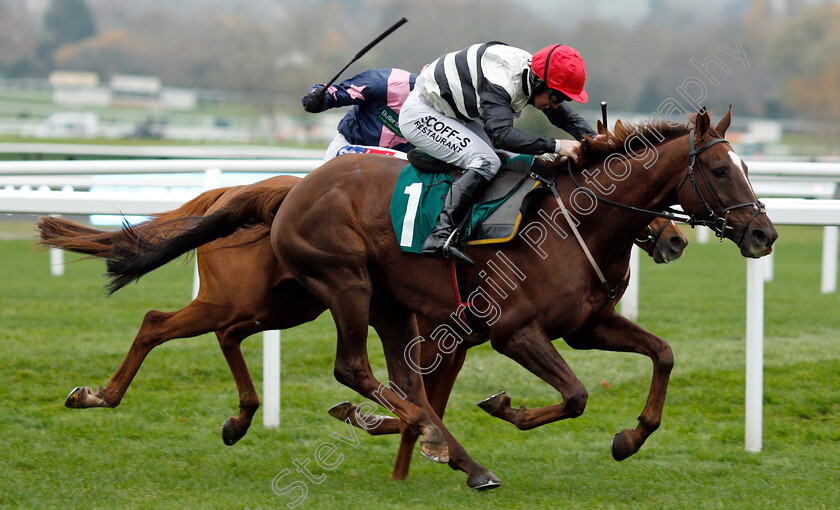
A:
[438,385]
[397,327]
[230,341]
[383,425]
[404,395]
[373,425]
[285,306]
[617,333]
[157,328]
[331,259]
[352,367]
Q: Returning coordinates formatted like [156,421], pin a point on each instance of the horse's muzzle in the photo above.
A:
[759,238]
[669,249]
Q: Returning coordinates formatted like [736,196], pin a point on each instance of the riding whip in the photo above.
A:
[604,114]
[367,48]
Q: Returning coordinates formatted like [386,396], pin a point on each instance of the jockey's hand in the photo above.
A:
[569,148]
[314,101]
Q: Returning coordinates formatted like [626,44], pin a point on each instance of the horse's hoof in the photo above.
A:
[229,434]
[433,446]
[74,399]
[79,398]
[622,445]
[483,481]
[493,403]
[83,397]
[435,452]
[341,411]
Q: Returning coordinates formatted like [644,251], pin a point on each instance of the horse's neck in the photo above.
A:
[654,176]
[652,188]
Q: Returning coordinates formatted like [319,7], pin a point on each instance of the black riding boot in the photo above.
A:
[456,206]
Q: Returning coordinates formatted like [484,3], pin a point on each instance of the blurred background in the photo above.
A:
[234,71]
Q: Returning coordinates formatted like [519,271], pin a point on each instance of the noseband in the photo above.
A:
[717,222]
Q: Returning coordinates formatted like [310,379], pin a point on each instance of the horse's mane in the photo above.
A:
[629,138]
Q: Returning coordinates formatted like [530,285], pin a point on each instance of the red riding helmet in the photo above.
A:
[564,70]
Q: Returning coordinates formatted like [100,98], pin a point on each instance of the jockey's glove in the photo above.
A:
[315,100]
[569,148]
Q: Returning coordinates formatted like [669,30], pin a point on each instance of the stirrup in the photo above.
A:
[446,244]
[449,250]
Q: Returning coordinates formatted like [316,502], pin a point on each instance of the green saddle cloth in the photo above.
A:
[418,200]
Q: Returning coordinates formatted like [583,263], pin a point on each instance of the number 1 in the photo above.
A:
[413,191]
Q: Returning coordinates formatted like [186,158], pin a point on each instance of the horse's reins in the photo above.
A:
[716,223]
[552,185]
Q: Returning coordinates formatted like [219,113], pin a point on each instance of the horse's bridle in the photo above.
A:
[651,236]
[716,222]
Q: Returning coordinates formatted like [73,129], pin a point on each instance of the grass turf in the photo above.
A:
[161,448]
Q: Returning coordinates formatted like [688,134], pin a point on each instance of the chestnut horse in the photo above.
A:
[244,290]
[333,234]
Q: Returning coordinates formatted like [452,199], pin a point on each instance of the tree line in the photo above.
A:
[274,49]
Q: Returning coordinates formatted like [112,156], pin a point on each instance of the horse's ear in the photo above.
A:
[723,125]
[702,123]
[600,128]
[618,128]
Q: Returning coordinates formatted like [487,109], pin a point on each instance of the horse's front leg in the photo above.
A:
[531,348]
[616,333]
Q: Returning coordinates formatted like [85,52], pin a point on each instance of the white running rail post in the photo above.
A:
[630,300]
[754,355]
[212,177]
[829,260]
[271,379]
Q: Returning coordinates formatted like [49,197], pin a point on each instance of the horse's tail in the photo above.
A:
[195,207]
[62,233]
[136,253]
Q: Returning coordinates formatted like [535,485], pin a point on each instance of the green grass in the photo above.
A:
[161,448]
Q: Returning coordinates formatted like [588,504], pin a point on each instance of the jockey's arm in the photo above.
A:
[568,120]
[356,90]
[498,123]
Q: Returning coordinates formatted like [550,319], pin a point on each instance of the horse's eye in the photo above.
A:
[718,172]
